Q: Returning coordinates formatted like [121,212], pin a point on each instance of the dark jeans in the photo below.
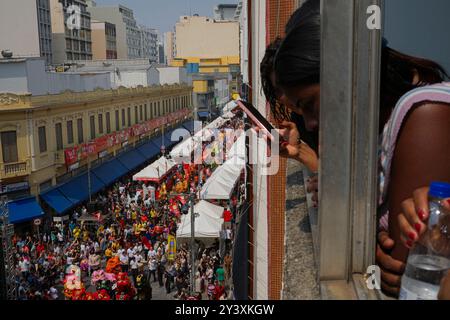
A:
[152,272]
[124,267]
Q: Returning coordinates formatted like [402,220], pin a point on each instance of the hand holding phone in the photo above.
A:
[261,122]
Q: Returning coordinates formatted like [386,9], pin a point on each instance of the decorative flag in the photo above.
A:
[171,240]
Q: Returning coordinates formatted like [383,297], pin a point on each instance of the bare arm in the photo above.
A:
[422,155]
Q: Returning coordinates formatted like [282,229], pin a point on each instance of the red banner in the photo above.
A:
[80,152]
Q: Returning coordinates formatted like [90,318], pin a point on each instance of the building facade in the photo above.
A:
[225,12]
[205,38]
[128,35]
[70,42]
[170,50]
[45,29]
[39,135]
[210,50]
[149,44]
[35,27]
[104,41]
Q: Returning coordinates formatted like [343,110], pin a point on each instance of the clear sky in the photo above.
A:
[163,14]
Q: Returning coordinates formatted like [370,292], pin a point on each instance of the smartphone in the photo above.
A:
[260,120]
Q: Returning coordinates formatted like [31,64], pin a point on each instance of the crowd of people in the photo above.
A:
[119,247]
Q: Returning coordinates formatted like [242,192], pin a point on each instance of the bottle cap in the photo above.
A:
[440,190]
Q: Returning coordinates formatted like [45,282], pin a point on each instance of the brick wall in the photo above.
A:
[278,14]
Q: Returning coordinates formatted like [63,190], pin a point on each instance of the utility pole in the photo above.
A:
[192,243]
[89,180]
[8,286]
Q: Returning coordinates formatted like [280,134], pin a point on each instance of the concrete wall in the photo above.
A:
[198,37]
[168,75]
[23,39]
[13,78]
[98,40]
[130,79]
[30,77]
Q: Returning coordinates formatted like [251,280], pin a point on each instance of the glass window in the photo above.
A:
[141,114]
[42,139]
[146,112]
[129,117]
[92,123]
[136,119]
[100,123]
[69,132]
[108,122]
[59,136]
[117,120]
[9,146]
[80,130]
[123,117]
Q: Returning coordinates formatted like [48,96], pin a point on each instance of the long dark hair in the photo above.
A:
[397,75]
[279,111]
[298,61]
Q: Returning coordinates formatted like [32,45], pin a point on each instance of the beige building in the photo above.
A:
[70,44]
[203,37]
[169,47]
[39,133]
[25,28]
[104,43]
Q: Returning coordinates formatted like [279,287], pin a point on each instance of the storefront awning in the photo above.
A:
[149,150]
[110,171]
[131,159]
[203,114]
[24,210]
[190,126]
[55,199]
[77,189]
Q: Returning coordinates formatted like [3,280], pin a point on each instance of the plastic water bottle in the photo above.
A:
[429,260]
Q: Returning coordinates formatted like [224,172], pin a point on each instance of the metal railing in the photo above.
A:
[14,169]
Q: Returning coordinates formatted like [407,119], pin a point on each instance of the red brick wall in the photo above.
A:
[278,14]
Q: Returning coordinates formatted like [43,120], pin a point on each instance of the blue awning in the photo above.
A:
[149,150]
[131,159]
[110,171]
[158,141]
[24,210]
[77,189]
[55,199]
[203,114]
[168,139]
[189,125]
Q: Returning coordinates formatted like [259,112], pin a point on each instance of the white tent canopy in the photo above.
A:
[229,106]
[155,171]
[221,183]
[238,148]
[229,115]
[216,123]
[208,221]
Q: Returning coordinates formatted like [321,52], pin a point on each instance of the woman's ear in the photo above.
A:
[416,77]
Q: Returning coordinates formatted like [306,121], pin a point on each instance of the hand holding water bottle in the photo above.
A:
[414,217]
[425,228]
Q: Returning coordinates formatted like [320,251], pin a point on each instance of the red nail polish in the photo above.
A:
[418,227]
[448,202]
[421,214]
[409,243]
[412,236]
